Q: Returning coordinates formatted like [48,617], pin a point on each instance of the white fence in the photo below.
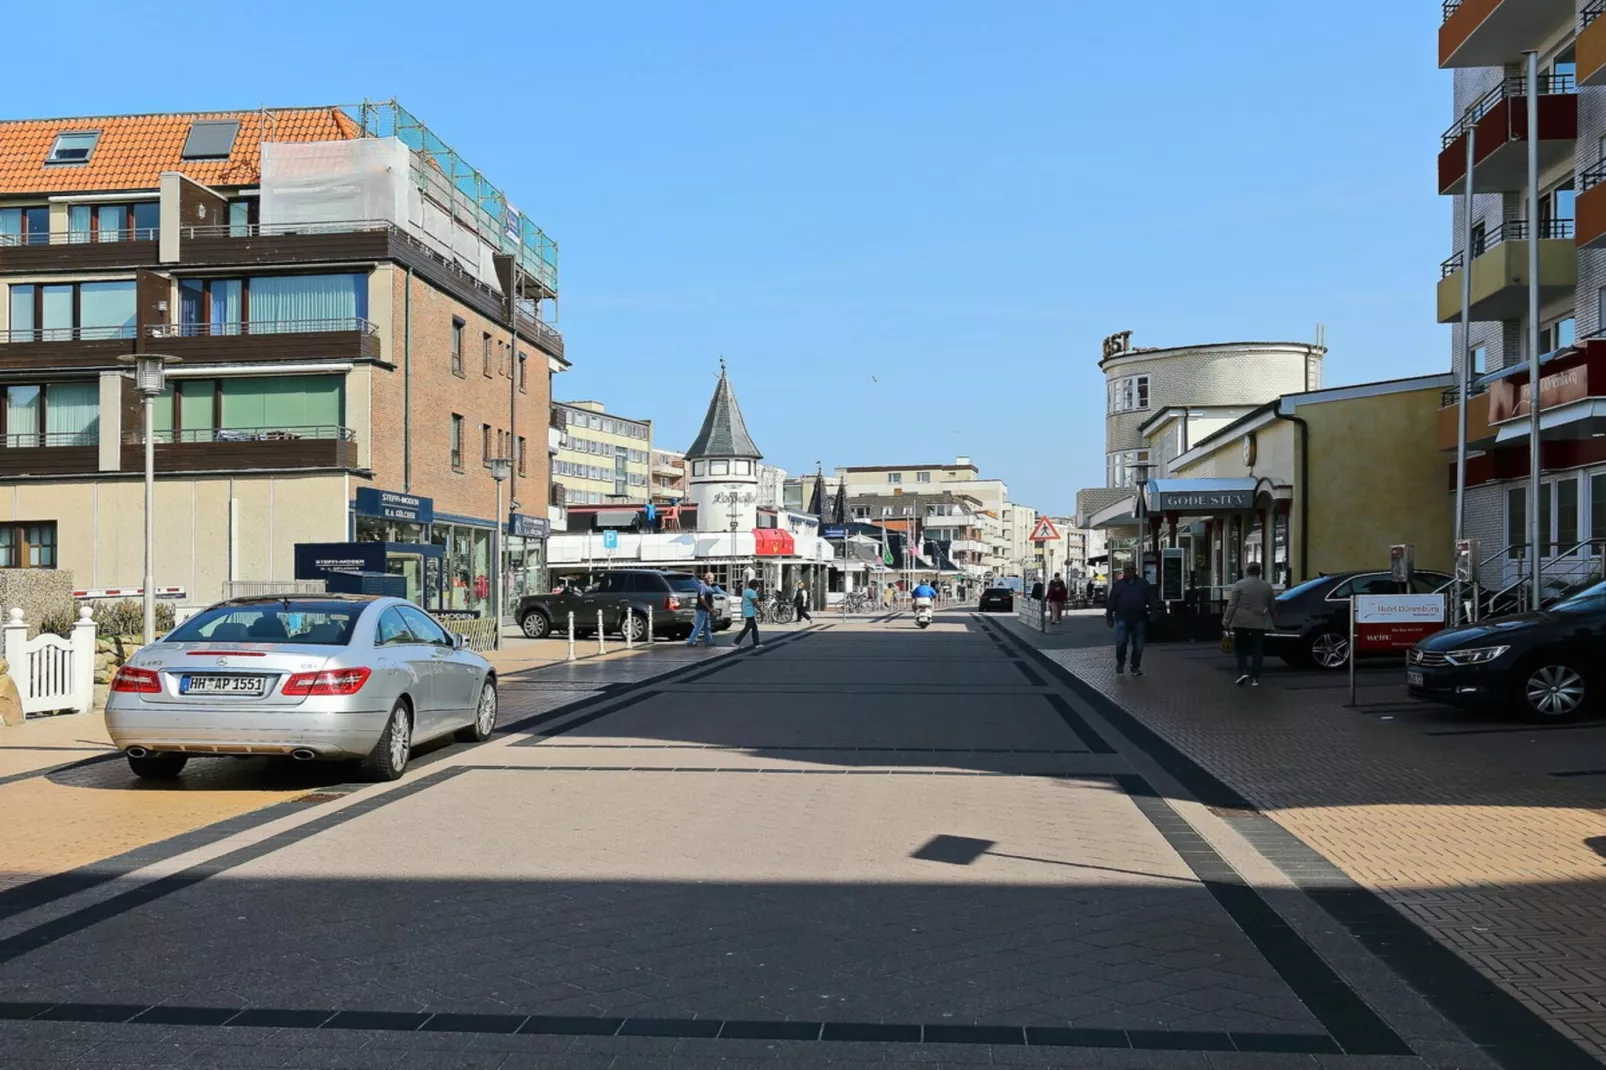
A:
[52,673]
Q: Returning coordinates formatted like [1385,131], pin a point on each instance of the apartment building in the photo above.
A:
[1162,400]
[668,476]
[355,318]
[996,556]
[1485,44]
[601,457]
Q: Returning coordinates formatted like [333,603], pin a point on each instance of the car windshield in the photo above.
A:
[1308,585]
[1589,600]
[302,623]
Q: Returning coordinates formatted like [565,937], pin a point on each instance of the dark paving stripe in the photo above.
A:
[1096,744]
[1029,672]
[49,932]
[1581,772]
[1506,729]
[108,756]
[1512,1035]
[783,748]
[678,1028]
[535,739]
[781,770]
[1352,1024]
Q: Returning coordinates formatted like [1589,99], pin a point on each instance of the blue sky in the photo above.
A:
[906,225]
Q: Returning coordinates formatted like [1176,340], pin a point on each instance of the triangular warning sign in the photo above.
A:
[1045,531]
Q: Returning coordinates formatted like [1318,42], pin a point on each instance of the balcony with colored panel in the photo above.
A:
[244,449]
[105,250]
[339,338]
[1498,124]
[1479,433]
[1492,33]
[1590,207]
[1500,272]
[49,453]
[1590,45]
[39,348]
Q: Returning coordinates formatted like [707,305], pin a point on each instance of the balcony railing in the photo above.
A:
[559,419]
[1517,230]
[1590,12]
[258,230]
[1595,174]
[1451,395]
[79,237]
[259,327]
[1450,8]
[315,432]
[27,440]
[1515,85]
[559,495]
[66,334]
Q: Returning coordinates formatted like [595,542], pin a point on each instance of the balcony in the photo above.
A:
[1480,434]
[1590,46]
[1492,33]
[1500,119]
[1500,272]
[78,251]
[244,449]
[53,453]
[64,347]
[345,338]
[1590,207]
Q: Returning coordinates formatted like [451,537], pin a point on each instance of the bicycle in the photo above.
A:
[856,602]
[781,610]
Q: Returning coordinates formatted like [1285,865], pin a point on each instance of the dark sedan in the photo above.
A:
[997,600]
[1545,665]
[1311,621]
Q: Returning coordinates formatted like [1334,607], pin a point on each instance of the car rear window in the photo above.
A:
[302,623]
[998,590]
[682,583]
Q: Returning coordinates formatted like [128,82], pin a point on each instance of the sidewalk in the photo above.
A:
[1500,863]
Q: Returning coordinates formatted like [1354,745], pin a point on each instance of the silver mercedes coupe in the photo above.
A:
[311,676]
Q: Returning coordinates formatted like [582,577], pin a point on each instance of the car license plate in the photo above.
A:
[211,684]
[1413,679]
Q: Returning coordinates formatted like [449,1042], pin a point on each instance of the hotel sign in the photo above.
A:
[1508,398]
[1116,344]
[1210,501]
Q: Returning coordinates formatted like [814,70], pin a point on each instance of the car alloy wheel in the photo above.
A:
[535,625]
[1329,651]
[634,627]
[1555,691]
[401,738]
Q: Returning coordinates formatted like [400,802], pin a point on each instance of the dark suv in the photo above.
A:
[622,597]
[1310,622]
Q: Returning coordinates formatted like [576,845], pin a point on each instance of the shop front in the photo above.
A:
[524,566]
[1218,527]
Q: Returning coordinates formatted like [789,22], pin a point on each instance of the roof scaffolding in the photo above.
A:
[463,191]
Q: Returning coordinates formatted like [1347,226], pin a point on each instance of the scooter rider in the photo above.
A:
[923,595]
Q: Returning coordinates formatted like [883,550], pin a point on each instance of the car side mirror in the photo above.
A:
[459,641]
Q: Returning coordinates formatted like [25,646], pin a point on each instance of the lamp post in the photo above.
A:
[1140,480]
[501,468]
[150,379]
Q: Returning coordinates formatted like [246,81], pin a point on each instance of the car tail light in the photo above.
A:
[328,682]
[671,602]
[132,681]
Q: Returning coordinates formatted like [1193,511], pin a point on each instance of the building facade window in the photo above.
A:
[25,226]
[1120,466]
[457,345]
[523,367]
[485,445]
[249,408]
[457,443]
[51,414]
[523,454]
[894,477]
[64,312]
[272,304]
[1129,394]
[28,545]
[137,221]
[485,348]
[923,477]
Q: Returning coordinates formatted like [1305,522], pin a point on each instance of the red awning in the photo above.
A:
[773,542]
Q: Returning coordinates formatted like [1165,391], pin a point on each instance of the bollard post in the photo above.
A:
[602,642]
[571,635]
[624,626]
[650,632]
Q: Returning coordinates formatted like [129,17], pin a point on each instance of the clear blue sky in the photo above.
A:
[907,225]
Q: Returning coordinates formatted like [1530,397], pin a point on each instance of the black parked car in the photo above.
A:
[1311,621]
[999,599]
[622,596]
[1546,665]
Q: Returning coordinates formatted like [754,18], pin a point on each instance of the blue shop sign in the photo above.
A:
[528,527]
[836,533]
[408,508]
[316,560]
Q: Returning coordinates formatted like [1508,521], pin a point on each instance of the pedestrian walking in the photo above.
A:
[1037,591]
[749,614]
[800,602]
[1126,609]
[704,624]
[1057,594]
[1248,616]
[888,593]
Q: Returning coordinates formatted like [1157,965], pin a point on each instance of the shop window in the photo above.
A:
[1516,522]
[28,545]
[1566,515]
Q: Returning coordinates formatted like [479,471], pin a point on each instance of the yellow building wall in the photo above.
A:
[100,527]
[1376,478]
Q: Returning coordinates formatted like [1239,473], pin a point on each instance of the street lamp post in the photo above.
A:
[1140,480]
[501,468]
[150,379]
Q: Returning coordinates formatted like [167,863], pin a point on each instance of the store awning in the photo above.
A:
[1201,497]
[773,542]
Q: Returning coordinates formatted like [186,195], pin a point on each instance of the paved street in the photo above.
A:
[862,843]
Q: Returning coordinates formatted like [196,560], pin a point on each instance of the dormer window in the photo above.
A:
[73,148]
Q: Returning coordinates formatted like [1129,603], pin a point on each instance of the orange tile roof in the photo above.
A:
[134,150]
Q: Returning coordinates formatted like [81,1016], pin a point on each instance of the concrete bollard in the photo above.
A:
[571,636]
[650,632]
[602,641]
[624,626]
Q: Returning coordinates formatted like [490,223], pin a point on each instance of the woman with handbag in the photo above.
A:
[1246,621]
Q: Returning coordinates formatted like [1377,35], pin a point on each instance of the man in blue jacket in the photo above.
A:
[1126,609]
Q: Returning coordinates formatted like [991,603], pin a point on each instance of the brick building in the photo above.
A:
[358,317]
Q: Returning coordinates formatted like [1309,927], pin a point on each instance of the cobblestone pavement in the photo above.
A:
[859,844]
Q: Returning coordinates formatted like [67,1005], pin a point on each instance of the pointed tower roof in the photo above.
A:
[723,434]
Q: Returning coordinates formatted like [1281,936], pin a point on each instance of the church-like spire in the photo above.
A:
[723,434]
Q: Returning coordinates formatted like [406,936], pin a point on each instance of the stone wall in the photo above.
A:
[38,592]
